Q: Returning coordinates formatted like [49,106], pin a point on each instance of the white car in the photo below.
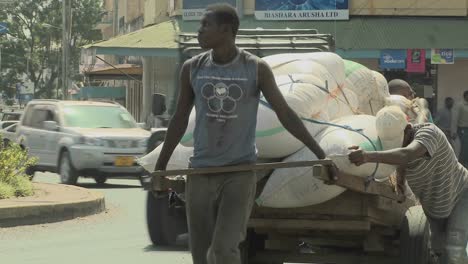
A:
[8,134]
[82,138]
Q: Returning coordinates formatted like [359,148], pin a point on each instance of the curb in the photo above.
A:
[56,203]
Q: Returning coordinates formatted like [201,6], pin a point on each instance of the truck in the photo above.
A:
[368,223]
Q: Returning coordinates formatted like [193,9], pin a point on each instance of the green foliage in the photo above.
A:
[13,179]
[34,44]
[6,190]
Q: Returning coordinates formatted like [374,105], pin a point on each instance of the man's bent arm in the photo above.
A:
[286,115]
[398,156]
[179,121]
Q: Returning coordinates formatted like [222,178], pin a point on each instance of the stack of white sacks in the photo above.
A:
[343,96]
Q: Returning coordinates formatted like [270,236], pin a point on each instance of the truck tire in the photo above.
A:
[414,237]
[165,224]
[251,245]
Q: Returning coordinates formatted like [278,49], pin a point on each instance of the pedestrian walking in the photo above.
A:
[427,162]
[444,117]
[460,127]
[224,85]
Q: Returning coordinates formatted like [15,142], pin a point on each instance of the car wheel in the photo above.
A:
[6,143]
[68,174]
[100,179]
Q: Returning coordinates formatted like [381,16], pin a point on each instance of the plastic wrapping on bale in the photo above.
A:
[332,62]
[361,81]
[179,159]
[273,140]
[405,105]
[295,187]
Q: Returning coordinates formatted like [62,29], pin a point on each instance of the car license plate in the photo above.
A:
[124,161]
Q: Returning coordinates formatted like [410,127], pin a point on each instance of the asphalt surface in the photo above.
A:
[115,236]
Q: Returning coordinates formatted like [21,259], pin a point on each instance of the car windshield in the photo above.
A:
[91,116]
[11,116]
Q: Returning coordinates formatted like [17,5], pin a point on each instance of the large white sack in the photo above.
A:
[378,98]
[335,141]
[304,98]
[324,79]
[296,187]
[382,86]
[332,62]
[405,105]
[342,102]
[179,159]
[337,101]
[361,81]
[273,140]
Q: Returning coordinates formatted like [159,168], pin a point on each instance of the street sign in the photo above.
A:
[3,28]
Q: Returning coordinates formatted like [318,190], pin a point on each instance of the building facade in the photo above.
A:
[372,32]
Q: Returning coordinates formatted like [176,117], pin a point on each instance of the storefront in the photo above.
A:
[364,39]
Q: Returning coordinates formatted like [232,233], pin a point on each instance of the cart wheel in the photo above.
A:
[414,237]
[252,244]
[165,224]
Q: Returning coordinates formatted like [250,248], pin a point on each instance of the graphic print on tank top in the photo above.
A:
[222,96]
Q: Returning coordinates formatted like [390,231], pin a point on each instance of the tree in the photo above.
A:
[33,46]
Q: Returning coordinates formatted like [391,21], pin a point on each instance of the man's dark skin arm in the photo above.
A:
[286,115]
[398,156]
[179,121]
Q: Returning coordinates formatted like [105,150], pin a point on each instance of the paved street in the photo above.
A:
[117,236]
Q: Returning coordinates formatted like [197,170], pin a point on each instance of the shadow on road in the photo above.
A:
[152,248]
[108,186]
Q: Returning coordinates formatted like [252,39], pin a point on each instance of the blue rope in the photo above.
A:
[349,128]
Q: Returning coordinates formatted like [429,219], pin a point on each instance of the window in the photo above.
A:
[38,117]
[91,116]
[28,116]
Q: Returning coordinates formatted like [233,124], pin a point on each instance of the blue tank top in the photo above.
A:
[226,104]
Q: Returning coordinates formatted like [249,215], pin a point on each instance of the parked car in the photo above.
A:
[82,138]
[9,118]
[8,134]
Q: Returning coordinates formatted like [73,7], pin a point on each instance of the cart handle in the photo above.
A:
[238,168]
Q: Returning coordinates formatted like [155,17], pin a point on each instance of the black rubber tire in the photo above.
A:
[72,178]
[164,224]
[6,143]
[251,245]
[155,140]
[414,237]
[100,180]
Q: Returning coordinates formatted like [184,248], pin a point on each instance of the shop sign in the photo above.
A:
[302,10]
[393,59]
[194,9]
[442,56]
[416,60]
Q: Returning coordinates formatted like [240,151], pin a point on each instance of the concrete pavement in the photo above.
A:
[50,203]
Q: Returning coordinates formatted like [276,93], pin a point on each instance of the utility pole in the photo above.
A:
[66,34]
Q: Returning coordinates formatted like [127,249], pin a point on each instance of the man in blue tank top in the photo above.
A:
[224,85]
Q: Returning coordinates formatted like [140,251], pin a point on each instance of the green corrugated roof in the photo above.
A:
[155,39]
